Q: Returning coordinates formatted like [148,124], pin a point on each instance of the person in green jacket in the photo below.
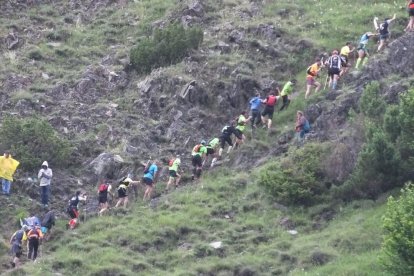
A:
[173,169]
[286,91]
[212,150]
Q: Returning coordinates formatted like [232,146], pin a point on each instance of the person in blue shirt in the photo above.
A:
[255,105]
[150,179]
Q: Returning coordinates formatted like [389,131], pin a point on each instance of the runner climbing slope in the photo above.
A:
[286,91]
[383,30]
[197,158]
[363,50]
[312,74]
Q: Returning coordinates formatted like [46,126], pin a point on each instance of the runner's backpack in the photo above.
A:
[171,162]
[383,28]
[147,167]
[197,148]
[271,100]
[33,233]
[103,188]
[310,72]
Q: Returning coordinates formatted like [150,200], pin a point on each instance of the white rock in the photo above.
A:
[292,232]
[216,245]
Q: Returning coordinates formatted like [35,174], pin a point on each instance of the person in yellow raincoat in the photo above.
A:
[8,166]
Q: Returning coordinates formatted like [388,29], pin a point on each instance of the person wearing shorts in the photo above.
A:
[16,242]
[123,192]
[286,91]
[212,147]
[384,33]
[345,51]
[334,64]
[312,73]
[362,49]
[150,179]
[269,109]
[225,137]
[173,172]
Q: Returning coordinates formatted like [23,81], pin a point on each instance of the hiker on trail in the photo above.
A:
[16,242]
[73,208]
[150,179]
[362,49]
[345,51]
[255,105]
[410,9]
[34,236]
[383,31]
[197,158]
[241,125]
[334,64]
[123,192]
[312,73]
[269,109]
[286,91]
[103,190]
[30,221]
[45,177]
[212,150]
[302,126]
[48,221]
[8,166]
[225,137]
[173,168]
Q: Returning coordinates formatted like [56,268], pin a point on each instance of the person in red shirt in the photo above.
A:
[269,109]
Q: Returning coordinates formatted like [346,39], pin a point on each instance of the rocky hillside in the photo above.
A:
[68,62]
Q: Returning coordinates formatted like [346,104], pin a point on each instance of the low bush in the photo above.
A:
[372,104]
[298,179]
[165,47]
[32,141]
[398,240]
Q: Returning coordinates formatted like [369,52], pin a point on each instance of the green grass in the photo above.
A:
[174,238]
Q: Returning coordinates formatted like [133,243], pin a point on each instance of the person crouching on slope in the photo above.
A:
[197,158]
[16,242]
[362,49]
[73,208]
[150,179]
[312,73]
[345,51]
[225,137]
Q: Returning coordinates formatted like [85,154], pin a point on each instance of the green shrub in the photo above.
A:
[406,123]
[398,240]
[32,141]
[372,104]
[391,122]
[165,47]
[299,178]
[376,170]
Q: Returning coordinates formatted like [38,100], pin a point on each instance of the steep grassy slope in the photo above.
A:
[173,238]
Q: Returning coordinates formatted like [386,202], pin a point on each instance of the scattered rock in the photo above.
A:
[293,232]
[287,223]
[216,245]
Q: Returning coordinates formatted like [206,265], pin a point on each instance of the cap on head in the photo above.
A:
[293,81]
[203,142]
[78,193]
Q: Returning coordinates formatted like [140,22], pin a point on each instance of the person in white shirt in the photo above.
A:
[45,177]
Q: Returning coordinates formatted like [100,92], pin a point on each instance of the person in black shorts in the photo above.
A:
[103,191]
[269,109]
[225,137]
[334,64]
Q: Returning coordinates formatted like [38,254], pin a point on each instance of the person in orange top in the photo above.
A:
[312,73]
[34,236]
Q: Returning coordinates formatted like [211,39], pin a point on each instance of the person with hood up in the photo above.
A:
[45,177]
